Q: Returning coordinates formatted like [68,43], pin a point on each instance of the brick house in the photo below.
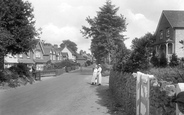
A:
[10,60]
[169,32]
[38,56]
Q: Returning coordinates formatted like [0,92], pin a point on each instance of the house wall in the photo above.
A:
[10,60]
[70,56]
[179,35]
[29,56]
[163,25]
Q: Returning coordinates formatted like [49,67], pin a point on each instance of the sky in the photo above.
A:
[63,19]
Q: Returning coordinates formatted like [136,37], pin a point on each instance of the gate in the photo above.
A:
[143,93]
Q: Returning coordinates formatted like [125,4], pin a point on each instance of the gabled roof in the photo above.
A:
[175,18]
[41,45]
[71,51]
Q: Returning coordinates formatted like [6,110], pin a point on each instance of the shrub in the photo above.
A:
[21,69]
[174,61]
[154,61]
[163,60]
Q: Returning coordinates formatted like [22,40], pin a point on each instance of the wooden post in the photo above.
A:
[179,88]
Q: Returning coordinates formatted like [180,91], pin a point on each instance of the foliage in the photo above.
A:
[60,65]
[163,60]
[123,87]
[17,30]
[154,60]
[174,60]
[105,31]
[69,44]
[141,52]
[21,69]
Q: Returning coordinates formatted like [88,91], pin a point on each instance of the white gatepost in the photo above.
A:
[179,88]
[142,93]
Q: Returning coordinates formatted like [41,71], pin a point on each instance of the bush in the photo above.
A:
[21,69]
[123,87]
[174,61]
[154,61]
[163,60]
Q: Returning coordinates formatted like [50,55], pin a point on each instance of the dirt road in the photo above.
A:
[68,94]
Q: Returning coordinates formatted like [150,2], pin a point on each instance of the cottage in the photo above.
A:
[169,32]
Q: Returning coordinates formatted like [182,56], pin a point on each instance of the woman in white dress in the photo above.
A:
[95,72]
[99,78]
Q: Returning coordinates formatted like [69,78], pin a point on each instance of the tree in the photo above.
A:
[69,44]
[141,52]
[106,31]
[17,30]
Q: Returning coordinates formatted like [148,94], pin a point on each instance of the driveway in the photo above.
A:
[67,94]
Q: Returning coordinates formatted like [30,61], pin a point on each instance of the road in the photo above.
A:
[68,94]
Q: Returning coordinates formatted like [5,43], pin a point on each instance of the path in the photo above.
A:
[68,94]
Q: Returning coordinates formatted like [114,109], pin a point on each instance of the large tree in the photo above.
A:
[105,30]
[69,44]
[17,28]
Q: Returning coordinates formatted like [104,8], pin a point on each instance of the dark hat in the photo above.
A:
[179,98]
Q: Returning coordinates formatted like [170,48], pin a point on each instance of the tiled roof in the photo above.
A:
[175,18]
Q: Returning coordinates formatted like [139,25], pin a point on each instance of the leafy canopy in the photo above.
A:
[105,30]
[17,30]
[69,44]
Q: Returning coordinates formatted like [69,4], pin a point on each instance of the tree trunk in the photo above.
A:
[1,61]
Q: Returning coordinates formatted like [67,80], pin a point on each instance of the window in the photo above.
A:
[161,34]
[167,32]
[28,54]
[50,55]
[20,55]
[38,54]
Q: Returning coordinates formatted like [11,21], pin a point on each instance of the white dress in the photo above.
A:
[99,79]
[95,71]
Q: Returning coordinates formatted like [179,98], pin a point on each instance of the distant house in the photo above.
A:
[10,60]
[169,32]
[80,59]
[71,54]
[38,56]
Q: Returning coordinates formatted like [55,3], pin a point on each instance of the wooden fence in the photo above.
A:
[46,73]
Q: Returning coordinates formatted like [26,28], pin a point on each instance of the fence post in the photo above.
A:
[142,93]
[179,88]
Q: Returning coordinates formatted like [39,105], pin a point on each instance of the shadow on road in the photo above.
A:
[106,100]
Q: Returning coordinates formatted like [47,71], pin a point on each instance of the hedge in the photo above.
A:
[123,87]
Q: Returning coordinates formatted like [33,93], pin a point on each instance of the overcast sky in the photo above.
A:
[63,19]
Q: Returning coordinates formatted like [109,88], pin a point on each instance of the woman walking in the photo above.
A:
[95,73]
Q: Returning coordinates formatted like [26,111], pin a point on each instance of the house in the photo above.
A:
[10,60]
[169,32]
[71,54]
[52,53]
[80,59]
[26,58]
[38,56]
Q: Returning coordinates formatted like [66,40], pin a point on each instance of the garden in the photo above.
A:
[20,74]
